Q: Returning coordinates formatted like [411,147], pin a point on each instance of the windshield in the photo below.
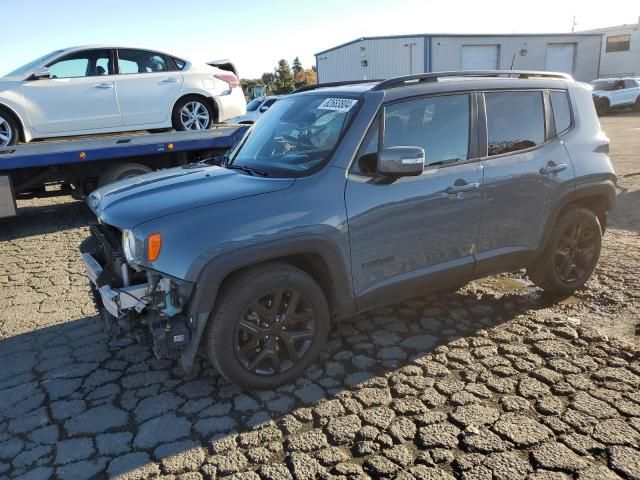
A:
[296,135]
[603,85]
[23,70]
[254,104]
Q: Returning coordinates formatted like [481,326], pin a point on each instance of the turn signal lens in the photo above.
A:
[154,243]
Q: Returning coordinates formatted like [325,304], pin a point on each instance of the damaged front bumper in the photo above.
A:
[117,302]
[146,304]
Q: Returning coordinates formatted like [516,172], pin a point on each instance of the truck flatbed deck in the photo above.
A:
[80,164]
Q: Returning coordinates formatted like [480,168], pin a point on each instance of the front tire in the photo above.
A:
[192,113]
[269,325]
[8,130]
[603,107]
[571,254]
[122,171]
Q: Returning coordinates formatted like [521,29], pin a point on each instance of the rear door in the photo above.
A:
[147,84]
[411,234]
[79,95]
[526,171]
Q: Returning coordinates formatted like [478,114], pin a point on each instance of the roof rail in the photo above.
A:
[315,86]
[434,76]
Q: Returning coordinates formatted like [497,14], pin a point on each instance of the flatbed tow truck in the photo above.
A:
[76,166]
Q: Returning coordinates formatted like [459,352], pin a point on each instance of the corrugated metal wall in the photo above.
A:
[372,59]
[394,56]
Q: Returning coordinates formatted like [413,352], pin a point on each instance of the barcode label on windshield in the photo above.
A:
[337,104]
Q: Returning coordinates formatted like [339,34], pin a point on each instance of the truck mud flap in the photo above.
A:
[7,198]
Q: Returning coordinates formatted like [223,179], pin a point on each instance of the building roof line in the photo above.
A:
[431,35]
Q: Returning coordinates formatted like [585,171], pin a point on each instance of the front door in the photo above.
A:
[412,234]
[526,171]
[148,85]
[79,95]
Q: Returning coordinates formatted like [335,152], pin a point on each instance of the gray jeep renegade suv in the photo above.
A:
[347,197]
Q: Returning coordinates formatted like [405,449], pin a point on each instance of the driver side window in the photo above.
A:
[90,63]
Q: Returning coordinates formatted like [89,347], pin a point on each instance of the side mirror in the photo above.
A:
[41,72]
[401,161]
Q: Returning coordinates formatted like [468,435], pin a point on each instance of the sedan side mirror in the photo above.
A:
[401,161]
[41,72]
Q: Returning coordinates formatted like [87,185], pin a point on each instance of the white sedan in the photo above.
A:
[102,89]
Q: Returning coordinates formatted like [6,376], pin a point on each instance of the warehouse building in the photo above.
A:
[370,58]
[620,51]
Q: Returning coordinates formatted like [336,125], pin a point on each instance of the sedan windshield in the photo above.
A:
[23,70]
[296,135]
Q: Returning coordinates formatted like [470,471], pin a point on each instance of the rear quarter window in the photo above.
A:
[561,111]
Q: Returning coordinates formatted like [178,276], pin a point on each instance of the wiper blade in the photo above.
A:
[249,170]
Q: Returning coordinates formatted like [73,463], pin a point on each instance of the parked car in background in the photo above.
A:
[103,89]
[613,93]
[255,109]
[346,198]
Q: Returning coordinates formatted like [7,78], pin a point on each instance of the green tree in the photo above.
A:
[296,67]
[283,81]
[268,79]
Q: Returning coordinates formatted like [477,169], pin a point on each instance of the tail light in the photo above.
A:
[230,78]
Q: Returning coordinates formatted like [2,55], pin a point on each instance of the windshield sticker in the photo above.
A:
[337,104]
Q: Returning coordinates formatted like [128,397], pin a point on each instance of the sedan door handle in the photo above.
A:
[104,85]
[552,167]
[170,80]
[464,187]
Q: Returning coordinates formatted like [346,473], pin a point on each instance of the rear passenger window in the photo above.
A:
[515,121]
[561,111]
[440,125]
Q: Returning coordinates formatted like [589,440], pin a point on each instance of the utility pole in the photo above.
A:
[410,45]
[573,24]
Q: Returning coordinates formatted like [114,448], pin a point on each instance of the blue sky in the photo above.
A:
[255,34]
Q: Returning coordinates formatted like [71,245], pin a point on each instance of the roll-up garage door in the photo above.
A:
[479,57]
[561,57]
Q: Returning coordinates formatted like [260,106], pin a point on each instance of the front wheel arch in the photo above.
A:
[14,116]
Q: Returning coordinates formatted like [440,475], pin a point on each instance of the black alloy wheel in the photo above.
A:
[275,331]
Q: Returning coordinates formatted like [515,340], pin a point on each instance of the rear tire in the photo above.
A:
[603,108]
[571,254]
[192,113]
[122,171]
[636,106]
[268,326]
[9,132]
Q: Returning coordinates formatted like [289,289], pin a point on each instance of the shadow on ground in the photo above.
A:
[76,403]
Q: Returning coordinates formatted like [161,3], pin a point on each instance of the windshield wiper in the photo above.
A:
[249,170]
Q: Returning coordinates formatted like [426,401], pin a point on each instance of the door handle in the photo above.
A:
[104,85]
[552,167]
[170,80]
[462,187]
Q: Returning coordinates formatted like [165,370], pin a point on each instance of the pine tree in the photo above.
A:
[283,81]
[296,67]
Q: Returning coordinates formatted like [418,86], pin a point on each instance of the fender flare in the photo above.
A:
[208,272]
[605,188]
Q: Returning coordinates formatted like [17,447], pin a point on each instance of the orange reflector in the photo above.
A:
[82,155]
[170,146]
[154,243]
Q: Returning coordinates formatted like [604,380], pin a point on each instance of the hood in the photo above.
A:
[130,202]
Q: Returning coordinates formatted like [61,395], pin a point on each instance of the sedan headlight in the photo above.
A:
[129,246]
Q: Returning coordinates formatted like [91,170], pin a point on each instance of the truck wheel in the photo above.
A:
[268,326]
[571,255]
[8,130]
[192,113]
[121,171]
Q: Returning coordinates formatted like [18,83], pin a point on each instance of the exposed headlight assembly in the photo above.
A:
[129,246]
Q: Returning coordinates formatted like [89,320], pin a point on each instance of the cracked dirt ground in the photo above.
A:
[492,381]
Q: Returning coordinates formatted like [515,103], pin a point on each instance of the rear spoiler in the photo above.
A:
[224,64]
